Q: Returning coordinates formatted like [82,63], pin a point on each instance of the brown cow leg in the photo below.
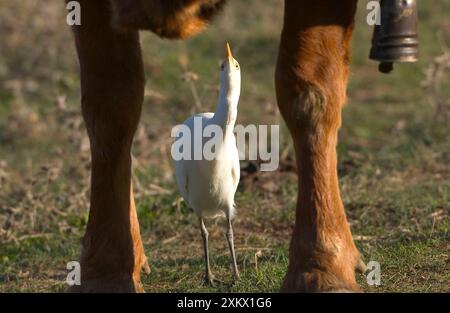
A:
[311,81]
[112,83]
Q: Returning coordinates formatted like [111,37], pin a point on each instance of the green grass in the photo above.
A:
[394,156]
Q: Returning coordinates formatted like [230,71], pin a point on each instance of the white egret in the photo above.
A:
[209,186]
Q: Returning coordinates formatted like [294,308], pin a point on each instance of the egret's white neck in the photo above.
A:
[226,111]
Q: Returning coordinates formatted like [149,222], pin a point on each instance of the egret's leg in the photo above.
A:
[230,239]
[209,278]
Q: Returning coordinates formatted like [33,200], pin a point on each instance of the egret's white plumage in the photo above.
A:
[209,186]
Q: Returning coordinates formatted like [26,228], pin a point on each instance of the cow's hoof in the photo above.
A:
[107,286]
[318,280]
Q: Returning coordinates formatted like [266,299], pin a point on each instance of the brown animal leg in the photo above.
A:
[311,81]
[112,83]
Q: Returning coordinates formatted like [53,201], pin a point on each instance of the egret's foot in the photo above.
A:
[234,281]
[211,280]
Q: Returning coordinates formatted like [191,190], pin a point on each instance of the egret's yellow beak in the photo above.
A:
[229,54]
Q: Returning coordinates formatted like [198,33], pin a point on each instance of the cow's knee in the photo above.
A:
[310,112]
[111,120]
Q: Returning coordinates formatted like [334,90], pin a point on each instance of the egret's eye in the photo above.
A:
[237,66]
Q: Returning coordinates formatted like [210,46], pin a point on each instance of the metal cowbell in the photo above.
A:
[395,39]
